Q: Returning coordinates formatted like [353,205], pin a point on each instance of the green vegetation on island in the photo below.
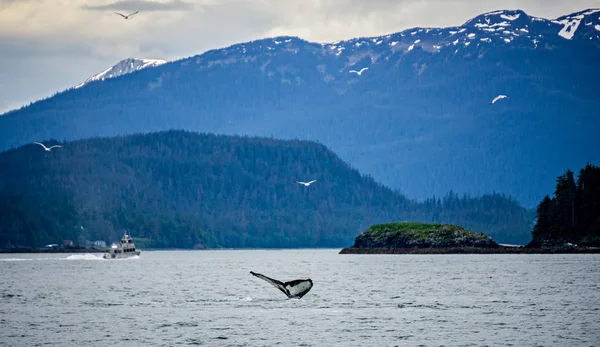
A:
[421,235]
[179,189]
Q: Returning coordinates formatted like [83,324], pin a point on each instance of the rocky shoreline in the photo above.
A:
[470,250]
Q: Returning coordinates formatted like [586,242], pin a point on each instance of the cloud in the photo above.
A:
[141,5]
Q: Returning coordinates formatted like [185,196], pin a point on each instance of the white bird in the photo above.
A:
[498,98]
[306,184]
[46,148]
[127,16]
[359,72]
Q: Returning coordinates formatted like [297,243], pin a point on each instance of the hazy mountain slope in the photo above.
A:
[418,118]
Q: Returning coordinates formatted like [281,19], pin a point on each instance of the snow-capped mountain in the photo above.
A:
[410,108]
[123,67]
[503,27]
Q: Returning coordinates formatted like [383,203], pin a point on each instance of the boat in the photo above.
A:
[126,249]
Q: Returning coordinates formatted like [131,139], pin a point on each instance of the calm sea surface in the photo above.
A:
[208,298]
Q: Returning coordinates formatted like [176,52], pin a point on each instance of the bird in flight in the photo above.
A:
[359,72]
[46,148]
[306,184]
[498,98]
[127,16]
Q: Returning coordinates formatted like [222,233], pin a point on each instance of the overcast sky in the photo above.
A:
[47,46]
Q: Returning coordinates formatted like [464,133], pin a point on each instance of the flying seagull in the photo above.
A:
[498,98]
[46,148]
[307,183]
[359,72]
[127,16]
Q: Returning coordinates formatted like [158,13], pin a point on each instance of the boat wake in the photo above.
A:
[89,256]
[86,256]
[129,258]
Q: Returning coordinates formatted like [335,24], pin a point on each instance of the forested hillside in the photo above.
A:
[572,215]
[182,189]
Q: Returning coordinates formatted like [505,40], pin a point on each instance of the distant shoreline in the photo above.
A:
[502,250]
[62,250]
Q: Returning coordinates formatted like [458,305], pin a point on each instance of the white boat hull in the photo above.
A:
[120,255]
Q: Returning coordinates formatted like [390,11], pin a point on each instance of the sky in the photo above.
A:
[47,46]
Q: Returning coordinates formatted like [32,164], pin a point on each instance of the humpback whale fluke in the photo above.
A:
[293,289]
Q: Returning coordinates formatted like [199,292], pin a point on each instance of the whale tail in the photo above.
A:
[292,289]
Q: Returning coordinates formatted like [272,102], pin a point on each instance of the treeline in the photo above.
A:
[572,215]
[188,190]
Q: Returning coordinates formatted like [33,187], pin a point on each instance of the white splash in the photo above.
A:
[86,256]
[135,257]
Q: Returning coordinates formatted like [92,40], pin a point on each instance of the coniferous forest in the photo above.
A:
[179,189]
[572,215]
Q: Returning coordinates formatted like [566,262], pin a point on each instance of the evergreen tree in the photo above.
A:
[573,215]
[565,204]
[546,219]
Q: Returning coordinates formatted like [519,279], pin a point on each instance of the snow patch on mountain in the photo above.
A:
[123,67]
[591,11]
[570,26]
[510,17]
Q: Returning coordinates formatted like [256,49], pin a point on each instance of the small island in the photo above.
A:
[427,238]
[412,237]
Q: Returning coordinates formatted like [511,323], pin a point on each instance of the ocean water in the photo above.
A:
[209,298]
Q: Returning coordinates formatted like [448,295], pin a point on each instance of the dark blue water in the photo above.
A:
[209,298]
